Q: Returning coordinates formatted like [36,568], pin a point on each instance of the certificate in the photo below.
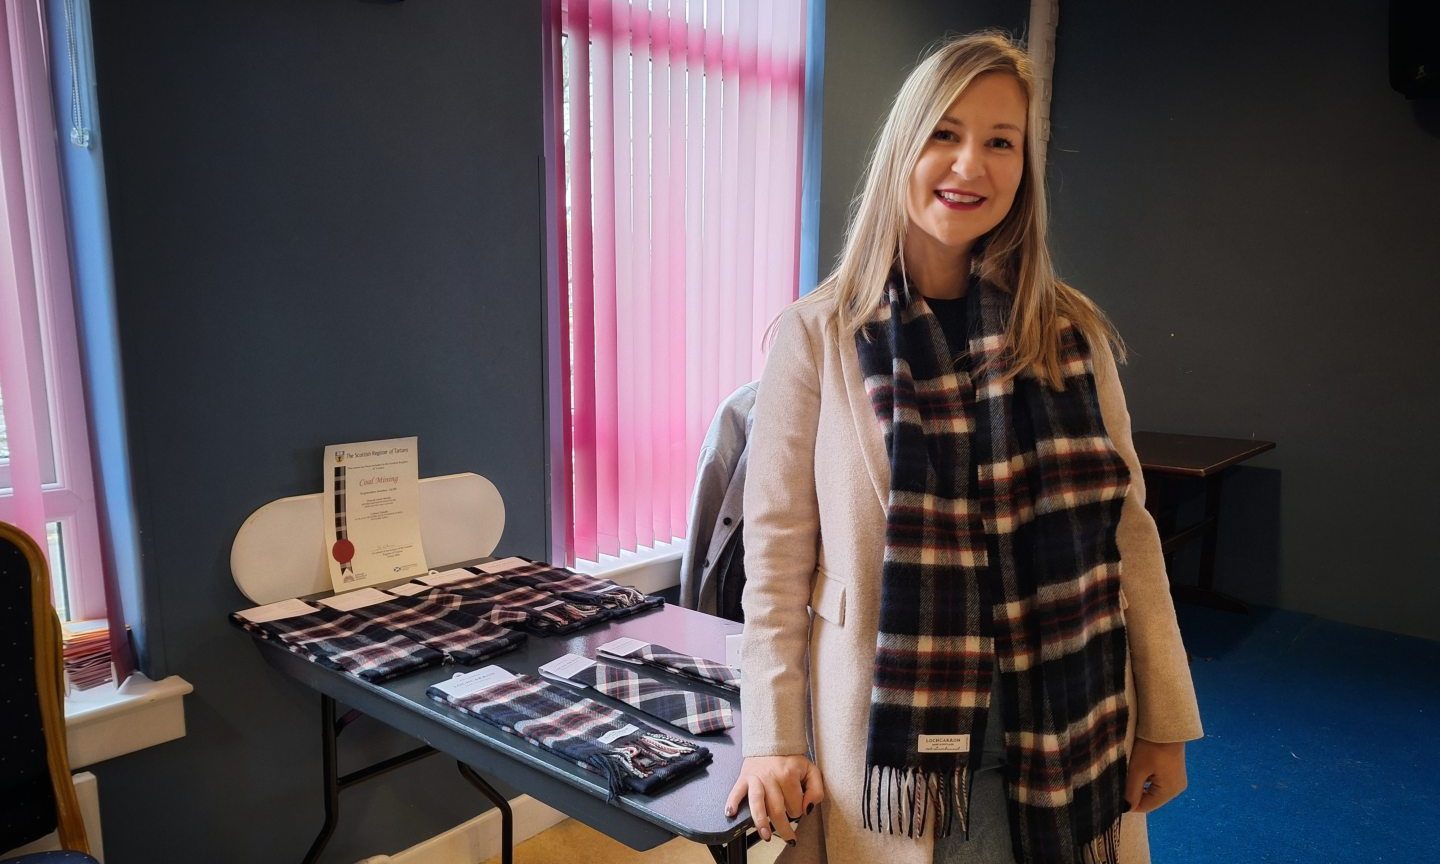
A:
[372,512]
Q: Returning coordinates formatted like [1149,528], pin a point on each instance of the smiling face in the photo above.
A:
[969,170]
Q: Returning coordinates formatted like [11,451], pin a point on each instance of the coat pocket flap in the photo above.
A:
[827,598]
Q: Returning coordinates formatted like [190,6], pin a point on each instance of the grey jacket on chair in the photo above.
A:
[715,508]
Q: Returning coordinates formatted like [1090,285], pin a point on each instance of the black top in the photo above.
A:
[951,315]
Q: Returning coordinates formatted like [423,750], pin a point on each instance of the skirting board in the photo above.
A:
[478,839]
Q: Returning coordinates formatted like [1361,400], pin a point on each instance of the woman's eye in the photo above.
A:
[1003,143]
[943,135]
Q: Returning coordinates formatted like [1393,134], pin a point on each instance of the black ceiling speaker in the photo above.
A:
[1415,48]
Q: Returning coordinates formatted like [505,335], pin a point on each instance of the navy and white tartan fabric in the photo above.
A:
[685,665]
[345,643]
[617,600]
[1005,496]
[490,596]
[696,713]
[462,637]
[636,758]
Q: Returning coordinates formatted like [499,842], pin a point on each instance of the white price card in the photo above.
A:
[623,647]
[356,599]
[448,577]
[276,611]
[568,667]
[474,682]
[504,564]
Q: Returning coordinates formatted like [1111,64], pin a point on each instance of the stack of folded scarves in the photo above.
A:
[388,639]
[340,641]
[540,598]
[630,755]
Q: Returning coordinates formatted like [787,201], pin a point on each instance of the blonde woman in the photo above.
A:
[941,468]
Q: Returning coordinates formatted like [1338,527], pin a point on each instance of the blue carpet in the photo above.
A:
[1322,743]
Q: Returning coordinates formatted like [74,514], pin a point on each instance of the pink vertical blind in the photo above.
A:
[45,470]
[683,187]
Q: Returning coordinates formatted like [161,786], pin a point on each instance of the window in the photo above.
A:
[682,126]
[46,484]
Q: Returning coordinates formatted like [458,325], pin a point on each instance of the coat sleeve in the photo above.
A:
[782,528]
[1167,709]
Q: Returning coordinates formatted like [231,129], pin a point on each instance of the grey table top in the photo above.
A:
[690,808]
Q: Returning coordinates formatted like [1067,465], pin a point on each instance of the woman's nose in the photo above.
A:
[968,163]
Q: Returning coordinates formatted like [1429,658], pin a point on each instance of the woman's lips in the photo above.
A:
[959,205]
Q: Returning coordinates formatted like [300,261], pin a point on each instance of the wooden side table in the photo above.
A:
[1207,459]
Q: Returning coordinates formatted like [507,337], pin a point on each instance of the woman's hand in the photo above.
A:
[780,788]
[1156,774]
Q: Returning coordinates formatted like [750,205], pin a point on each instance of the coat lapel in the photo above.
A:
[867,427]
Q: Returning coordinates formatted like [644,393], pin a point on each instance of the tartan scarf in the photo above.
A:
[336,640]
[628,754]
[616,600]
[493,597]
[685,665]
[999,544]
[462,637]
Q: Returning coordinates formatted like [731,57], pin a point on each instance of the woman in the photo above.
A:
[941,468]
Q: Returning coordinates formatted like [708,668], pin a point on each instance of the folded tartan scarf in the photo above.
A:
[340,641]
[684,665]
[464,638]
[491,596]
[1000,541]
[628,754]
[696,713]
[617,600]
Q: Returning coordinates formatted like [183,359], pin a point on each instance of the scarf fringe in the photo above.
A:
[897,800]
[640,756]
[1104,849]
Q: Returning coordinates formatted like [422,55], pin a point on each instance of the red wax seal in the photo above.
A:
[343,551]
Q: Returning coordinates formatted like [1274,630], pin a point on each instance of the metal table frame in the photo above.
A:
[689,808]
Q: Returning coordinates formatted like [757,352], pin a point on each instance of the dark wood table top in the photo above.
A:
[1194,455]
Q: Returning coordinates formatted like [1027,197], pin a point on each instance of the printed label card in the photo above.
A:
[372,512]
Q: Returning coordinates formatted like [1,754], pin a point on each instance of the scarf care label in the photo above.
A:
[567,667]
[503,564]
[473,682]
[623,647]
[356,599]
[945,743]
[276,611]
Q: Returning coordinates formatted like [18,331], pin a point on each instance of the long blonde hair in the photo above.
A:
[1016,254]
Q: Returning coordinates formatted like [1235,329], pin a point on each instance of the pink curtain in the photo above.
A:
[683,172]
[46,475]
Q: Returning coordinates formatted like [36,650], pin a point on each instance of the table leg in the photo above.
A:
[734,852]
[1203,593]
[331,780]
[507,818]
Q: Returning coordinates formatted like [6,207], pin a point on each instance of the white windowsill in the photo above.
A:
[108,721]
[649,569]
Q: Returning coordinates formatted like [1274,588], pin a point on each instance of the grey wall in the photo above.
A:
[870,46]
[326,224]
[1239,187]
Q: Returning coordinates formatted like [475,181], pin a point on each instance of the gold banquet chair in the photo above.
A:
[37,794]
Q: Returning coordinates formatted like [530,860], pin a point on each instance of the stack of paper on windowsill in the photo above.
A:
[87,653]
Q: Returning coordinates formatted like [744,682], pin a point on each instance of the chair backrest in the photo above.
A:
[279,552]
[37,795]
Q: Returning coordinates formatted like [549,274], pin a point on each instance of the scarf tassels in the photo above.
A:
[897,800]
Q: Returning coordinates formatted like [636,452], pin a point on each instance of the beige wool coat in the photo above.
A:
[814,540]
